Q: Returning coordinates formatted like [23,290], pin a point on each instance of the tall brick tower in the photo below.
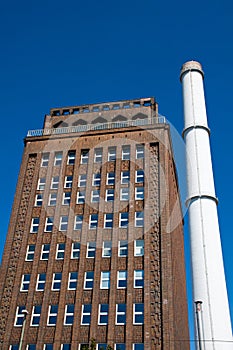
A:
[95,242]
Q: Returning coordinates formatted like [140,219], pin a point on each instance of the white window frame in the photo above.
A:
[72,279]
[35,225]
[52,199]
[66,198]
[139,176]
[110,180]
[124,218]
[45,160]
[55,182]
[75,250]
[82,180]
[122,276]
[84,156]
[25,282]
[19,315]
[140,151]
[95,196]
[124,194]
[78,222]
[139,219]
[69,313]
[109,196]
[98,155]
[86,314]
[102,313]
[30,252]
[112,154]
[48,224]
[81,197]
[58,158]
[45,251]
[41,282]
[88,279]
[107,249]
[68,181]
[35,315]
[139,193]
[60,251]
[57,278]
[125,177]
[63,226]
[71,157]
[137,313]
[138,276]
[93,221]
[123,247]
[51,314]
[38,200]
[105,279]
[91,247]
[139,247]
[125,152]
[108,218]
[96,179]
[41,184]
[120,313]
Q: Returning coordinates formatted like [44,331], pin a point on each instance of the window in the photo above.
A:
[14,347]
[30,252]
[111,154]
[45,159]
[124,194]
[60,253]
[119,346]
[86,314]
[80,197]
[123,248]
[96,179]
[71,158]
[41,184]
[82,180]
[45,252]
[56,284]
[48,347]
[139,151]
[138,313]
[49,224]
[66,198]
[121,314]
[102,346]
[124,220]
[84,156]
[35,319]
[108,220]
[73,279]
[65,346]
[139,193]
[95,196]
[75,250]
[139,247]
[25,282]
[20,315]
[58,158]
[125,176]
[91,249]
[52,199]
[31,347]
[78,222]
[105,280]
[55,182]
[139,176]
[68,181]
[69,314]
[35,225]
[93,221]
[138,278]
[110,179]
[139,219]
[125,155]
[109,195]
[40,283]
[88,280]
[38,200]
[138,346]
[63,223]
[121,279]
[98,155]
[52,315]
[107,249]
[83,346]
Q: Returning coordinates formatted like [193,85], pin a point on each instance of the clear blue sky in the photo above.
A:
[56,53]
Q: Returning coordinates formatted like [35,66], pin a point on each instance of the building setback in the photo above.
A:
[95,242]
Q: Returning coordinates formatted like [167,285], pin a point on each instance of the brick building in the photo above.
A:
[95,242]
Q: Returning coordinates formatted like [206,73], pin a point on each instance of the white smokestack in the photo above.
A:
[209,285]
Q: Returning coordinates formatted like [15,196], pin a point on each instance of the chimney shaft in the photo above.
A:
[209,285]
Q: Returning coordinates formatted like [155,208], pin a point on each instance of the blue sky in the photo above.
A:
[56,53]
